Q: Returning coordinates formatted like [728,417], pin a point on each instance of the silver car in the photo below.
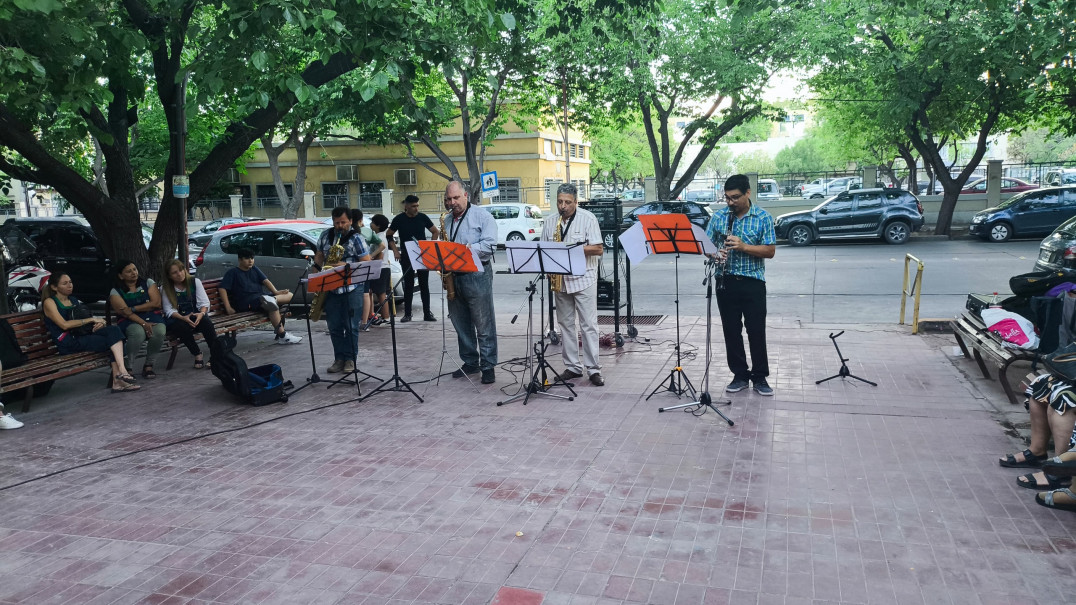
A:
[278,251]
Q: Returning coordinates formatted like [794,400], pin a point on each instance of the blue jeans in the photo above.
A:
[473,319]
[343,312]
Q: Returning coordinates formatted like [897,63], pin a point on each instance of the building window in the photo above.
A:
[558,150]
[370,194]
[267,194]
[571,150]
[333,195]
[548,147]
[509,191]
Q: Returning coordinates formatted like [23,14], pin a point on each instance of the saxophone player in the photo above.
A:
[471,309]
[577,297]
[343,306]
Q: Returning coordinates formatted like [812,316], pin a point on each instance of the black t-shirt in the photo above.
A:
[411,228]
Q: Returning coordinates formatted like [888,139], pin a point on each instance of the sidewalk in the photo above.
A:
[840,492]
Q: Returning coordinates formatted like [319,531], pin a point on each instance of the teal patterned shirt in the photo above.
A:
[755,228]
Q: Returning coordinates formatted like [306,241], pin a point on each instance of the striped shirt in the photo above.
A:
[477,228]
[755,228]
[584,229]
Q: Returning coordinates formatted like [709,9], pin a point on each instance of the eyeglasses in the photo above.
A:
[734,198]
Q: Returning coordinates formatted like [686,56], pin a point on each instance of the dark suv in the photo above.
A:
[696,212]
[892,214]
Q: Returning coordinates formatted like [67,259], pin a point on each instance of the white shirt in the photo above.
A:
[584,229]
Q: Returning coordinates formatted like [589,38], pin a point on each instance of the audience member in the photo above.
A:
[7,421]
[186,309]
[137,303]
[241,289]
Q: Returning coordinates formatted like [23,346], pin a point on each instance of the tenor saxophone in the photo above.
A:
[336,252]
[556,281]
[448,279]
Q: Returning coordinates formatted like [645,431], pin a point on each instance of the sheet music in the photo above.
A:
[633,241]
[415,254]
[559,257]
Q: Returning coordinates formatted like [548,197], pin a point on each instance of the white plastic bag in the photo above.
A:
[1014,329]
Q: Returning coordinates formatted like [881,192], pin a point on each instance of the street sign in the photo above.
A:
[181,187]
[489,185]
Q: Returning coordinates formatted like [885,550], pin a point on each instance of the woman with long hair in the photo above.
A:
[77,334]
[137,302]
[186,308]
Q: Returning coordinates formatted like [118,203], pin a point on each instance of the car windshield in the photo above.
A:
[314,232]
[1068,179]
[533,212]
[818,207]
[1016,199]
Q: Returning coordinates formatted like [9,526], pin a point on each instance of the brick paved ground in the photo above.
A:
[834,493]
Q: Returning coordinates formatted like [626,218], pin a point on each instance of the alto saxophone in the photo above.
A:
[448,279]
[336,252]
[556,282]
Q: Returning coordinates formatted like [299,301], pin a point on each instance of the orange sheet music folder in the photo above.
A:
[442,256]
[669,234]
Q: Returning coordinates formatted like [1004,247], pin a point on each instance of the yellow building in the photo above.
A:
[353,174]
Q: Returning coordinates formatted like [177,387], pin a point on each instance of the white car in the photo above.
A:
[516,222]
[814,189]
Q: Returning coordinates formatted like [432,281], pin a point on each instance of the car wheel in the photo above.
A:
[896,232]
[816,196]
[515,236]
[1000,232]
[800,235]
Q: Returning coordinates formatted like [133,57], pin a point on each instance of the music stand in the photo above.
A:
[543,258]
[672,234]
[347,274]
[444,257]
[398,383]
[313,378]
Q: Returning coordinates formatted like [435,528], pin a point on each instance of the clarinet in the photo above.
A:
[721,264]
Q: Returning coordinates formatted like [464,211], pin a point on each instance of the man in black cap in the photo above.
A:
[412,225]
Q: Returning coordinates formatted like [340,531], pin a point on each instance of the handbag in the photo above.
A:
[81,311]
[1062,362]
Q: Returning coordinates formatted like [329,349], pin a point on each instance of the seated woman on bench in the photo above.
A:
[78,335]
[186,308]
[137,303]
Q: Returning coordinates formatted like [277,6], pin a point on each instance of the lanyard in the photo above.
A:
[457,223]
[565,227]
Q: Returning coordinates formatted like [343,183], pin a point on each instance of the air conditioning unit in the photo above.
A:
[347,172]
[406,176]
[233,176]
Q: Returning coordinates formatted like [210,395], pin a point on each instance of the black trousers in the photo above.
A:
[409,287]
[185,333]
[742,304]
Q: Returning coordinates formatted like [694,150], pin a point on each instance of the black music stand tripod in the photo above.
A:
[398,383]
[668,234]
[313,378]
[704,398]
[352,274]
[844,372]
[554,259]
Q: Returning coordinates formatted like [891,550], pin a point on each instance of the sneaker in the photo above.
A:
[488,377]
[428,317]
[763,388]
[466,369]
[7,421]
[737,385]
[349,366]
[336,367]
[366,326]
[287,338]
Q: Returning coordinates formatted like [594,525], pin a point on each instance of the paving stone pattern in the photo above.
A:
[838,493]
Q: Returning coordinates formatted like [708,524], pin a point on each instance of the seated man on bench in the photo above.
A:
[241,289]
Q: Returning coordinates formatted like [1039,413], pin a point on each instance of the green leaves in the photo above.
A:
[40,6]
[260,59]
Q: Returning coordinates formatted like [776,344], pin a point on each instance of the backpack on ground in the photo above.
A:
[256,386]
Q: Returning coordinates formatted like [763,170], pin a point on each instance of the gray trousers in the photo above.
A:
[136,335]
[584,306]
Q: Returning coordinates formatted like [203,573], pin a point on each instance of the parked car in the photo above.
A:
[833,187]
[697,213]
[808,190]
[768,190]
[1056,178]
[66,243]
[1026,214]
[892,214]
[202,236]
[516,222]
[1058,250]
[1008,185]
[278,250]
[632,195]
[702,196]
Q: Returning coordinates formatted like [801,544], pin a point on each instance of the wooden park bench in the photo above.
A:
[44,363]
[224,323]
[980,344]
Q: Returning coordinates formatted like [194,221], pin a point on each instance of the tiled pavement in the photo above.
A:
[834,493]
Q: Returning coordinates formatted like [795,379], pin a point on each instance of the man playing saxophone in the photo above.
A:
[577,296]
[472,307]
[343,306]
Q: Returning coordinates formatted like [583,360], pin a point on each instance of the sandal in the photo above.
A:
[147,372]
[1030,460]
[199,364]
[1060,467]
[119,386]
[1047,499]
[126,378]
[1052,482]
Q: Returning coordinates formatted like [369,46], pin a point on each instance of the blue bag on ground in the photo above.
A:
[260,385]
